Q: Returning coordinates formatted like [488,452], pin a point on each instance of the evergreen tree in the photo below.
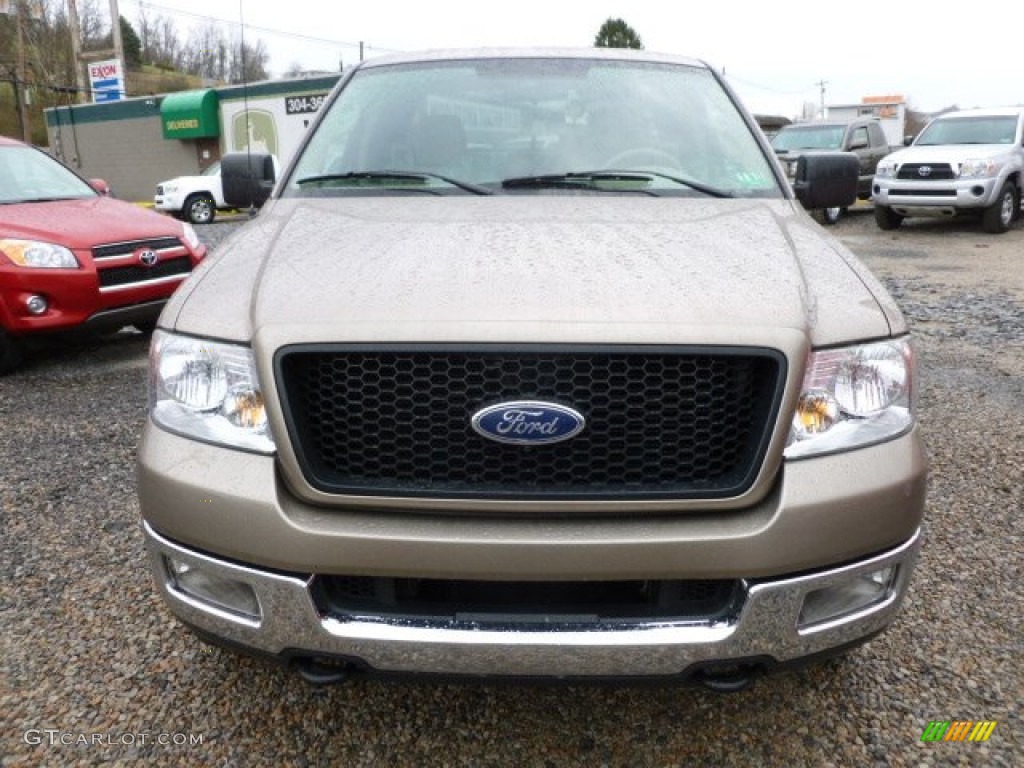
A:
[131,44]
[616,33]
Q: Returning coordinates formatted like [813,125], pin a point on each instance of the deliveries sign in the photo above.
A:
[106,78]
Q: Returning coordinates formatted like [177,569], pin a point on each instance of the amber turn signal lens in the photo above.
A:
[816,412]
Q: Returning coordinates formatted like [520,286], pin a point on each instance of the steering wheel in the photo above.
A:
[637,155]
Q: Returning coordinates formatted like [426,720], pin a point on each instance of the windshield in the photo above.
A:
[213,170]
[26,175]
[464,127]
[809,137]
[969,130]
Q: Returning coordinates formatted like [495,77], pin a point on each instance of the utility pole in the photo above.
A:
[76,50]
[20,76]
[821,84]
[115,36]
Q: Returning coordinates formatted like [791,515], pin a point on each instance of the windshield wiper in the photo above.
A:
[476,189]
[586,179]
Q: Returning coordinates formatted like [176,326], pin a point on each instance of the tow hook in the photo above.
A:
[320,672]
[728,679]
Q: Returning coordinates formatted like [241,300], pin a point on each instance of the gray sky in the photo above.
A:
[774,53]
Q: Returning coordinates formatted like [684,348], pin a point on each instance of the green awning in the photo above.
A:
[190,115]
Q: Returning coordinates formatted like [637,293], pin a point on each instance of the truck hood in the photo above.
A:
[81,224]
[793,153]
[539,267]
[954,154]
[192,181]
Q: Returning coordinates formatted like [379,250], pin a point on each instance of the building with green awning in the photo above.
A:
[137,142]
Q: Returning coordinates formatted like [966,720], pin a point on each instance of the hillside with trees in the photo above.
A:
[158,58]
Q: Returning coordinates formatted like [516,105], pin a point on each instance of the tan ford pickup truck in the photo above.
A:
[533,366]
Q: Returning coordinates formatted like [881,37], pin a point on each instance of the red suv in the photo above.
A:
[72,257]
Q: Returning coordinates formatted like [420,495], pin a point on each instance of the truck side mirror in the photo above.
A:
[247,178]
[827,180]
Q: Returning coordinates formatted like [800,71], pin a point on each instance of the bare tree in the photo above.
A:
[168,45]
[94,25]
[248,62]
[205,53]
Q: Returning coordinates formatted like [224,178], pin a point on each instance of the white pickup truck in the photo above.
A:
[193,198]
[967,162]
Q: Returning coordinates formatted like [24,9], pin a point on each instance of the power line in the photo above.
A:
[778,91]
[144,4]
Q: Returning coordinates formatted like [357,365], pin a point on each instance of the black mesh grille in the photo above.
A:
[660,422]
[136,274]
[937,172]
[124,249]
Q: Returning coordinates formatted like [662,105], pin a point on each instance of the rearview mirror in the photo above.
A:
[101,186]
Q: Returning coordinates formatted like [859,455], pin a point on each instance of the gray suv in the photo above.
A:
[532,365]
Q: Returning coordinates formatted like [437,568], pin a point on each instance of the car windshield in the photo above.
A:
[809,137]
[28,175]
[533,126]
[213,170]
[969,130]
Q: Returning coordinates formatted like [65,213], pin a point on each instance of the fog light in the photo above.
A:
[224,594]
[36,304]
[849,597]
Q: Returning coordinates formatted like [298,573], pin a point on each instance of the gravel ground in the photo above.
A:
[90,654]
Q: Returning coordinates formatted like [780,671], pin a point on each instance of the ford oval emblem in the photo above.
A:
[528,422]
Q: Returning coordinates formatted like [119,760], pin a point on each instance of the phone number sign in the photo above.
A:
[303,105]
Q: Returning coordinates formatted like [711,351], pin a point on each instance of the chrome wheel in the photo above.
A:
[200,209]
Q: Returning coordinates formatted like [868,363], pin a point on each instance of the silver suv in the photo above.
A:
[532,365]
[968,162]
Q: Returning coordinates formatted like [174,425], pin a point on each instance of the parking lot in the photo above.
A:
[96,671]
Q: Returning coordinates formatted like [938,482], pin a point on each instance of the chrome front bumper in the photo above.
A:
[935,198]
[765,626]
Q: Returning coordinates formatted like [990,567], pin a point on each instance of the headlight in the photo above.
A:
[190,236]
[981,167]
[31,253]
[885,170]
[854,396]
[209,391]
